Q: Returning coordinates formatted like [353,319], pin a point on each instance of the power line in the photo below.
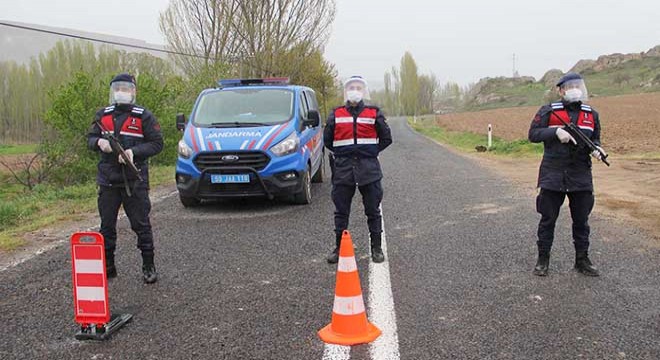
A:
[108,41]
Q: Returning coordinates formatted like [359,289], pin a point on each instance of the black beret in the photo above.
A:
[569,76]
[123,77]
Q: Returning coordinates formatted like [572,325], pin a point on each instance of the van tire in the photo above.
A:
[304,197]
[189,201]
[320,172]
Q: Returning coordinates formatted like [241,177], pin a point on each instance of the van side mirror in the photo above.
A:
[180,121]
[313,118]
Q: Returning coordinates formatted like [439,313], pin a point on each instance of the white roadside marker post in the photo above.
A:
[490,136]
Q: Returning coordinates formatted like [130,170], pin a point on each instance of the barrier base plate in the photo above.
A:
[103,332]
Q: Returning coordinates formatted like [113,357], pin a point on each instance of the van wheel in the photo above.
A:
[320,173]
[189,201]
[304,197]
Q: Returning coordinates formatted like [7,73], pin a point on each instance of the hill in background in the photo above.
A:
[615,74]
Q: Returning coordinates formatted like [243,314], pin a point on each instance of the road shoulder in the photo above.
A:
[626,192]
[42,240]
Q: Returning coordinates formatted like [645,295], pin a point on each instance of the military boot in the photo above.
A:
[542,264]
[333,258]
[110,269]
[149,269]
[377,255]
[583,265]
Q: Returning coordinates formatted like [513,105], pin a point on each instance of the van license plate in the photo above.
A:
[230,179]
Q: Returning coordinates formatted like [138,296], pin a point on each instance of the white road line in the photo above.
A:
[381,313]
[381,308]
[336,352]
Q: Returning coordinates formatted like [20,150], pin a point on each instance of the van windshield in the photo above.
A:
[244,107]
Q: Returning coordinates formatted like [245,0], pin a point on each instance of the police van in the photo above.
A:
[250,137]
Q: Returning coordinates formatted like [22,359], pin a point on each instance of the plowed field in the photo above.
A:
[631,123]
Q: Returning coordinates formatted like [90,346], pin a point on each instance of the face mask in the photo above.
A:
[354,96]
[573,95]
[122,97]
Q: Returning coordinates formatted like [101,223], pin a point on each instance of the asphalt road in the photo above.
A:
[248,279]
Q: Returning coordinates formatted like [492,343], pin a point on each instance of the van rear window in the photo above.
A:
[249,106]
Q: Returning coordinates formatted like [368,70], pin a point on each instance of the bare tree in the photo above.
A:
[28,170]
[271,28]
[253,35]
[203,28]
[428,88]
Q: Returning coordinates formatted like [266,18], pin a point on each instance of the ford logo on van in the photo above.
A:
[230,158]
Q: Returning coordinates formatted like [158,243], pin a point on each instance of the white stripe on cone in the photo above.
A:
[352,305]
[346,264]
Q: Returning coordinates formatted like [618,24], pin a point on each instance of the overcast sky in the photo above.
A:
[460,41]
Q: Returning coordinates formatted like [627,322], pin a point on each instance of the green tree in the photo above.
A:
[24,89]
[409,84]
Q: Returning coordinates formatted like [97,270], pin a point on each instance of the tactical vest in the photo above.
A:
[132,127]
[361,131]
[585,120]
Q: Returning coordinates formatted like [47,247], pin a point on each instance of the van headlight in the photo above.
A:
[287,146]
[184,150]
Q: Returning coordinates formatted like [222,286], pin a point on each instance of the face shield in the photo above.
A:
[122,92]
[355,90]
[574,90]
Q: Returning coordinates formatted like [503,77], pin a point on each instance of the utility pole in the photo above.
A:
[515,72]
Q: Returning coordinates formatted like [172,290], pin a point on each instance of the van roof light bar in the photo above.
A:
[253,82]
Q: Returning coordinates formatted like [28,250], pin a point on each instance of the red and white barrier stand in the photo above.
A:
[90,288]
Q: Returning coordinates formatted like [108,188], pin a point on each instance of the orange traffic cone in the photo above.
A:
[349,324]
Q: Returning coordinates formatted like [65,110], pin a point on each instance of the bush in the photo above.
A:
[68,120]
[74,106]
[9,215]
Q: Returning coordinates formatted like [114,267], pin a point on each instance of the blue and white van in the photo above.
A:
[250,137]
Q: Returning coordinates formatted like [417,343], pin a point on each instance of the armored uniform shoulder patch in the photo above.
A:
[557,106]
[109,109]
[137,110]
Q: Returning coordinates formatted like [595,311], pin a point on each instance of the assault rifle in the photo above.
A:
[118,149]
[577,134]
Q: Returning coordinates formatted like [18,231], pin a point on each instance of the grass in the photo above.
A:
[22,212]
[632,77]
[17,149]
[467,141]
